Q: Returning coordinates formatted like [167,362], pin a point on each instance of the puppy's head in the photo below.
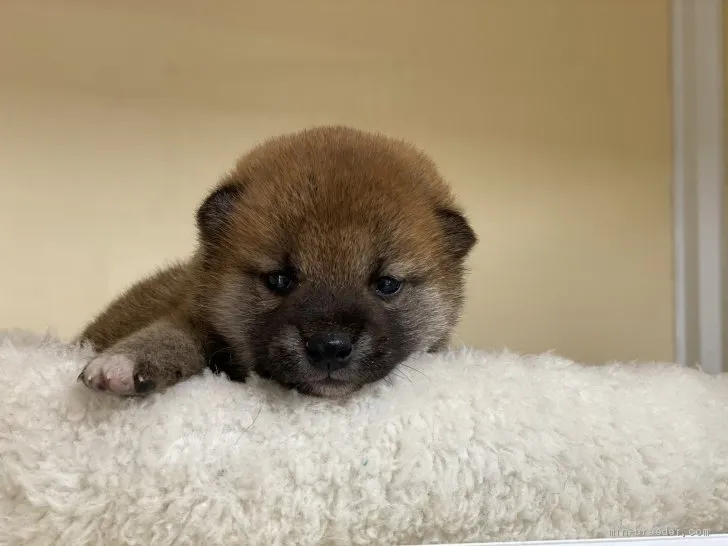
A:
[331,255]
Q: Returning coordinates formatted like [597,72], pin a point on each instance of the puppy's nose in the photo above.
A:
[329,351]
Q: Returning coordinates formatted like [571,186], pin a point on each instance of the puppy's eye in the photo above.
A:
[279,282]
[387,286]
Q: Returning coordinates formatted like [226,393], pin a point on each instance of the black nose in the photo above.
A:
[329,351]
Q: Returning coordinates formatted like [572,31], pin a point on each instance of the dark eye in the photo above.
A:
[279,282]
[387,286]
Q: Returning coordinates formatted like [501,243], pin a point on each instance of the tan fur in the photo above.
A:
[336,201]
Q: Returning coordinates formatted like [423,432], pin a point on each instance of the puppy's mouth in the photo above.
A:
[328,388]
[291,372]
[287,364]
[325,386]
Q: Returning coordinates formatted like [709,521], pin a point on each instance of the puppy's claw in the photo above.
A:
[143,386]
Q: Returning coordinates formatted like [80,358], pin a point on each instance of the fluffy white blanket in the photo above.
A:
[465,446]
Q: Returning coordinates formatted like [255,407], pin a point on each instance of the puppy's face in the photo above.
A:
[330,256]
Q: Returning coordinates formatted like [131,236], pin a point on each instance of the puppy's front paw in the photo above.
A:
[115,374]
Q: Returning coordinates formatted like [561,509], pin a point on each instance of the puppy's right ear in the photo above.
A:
[216,210]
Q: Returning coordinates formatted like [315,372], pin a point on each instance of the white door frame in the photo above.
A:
[699,150]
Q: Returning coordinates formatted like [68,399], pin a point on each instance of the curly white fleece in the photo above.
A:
[464,446]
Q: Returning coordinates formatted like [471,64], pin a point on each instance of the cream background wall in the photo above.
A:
[551,120]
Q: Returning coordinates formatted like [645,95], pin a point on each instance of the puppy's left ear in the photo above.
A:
[459,236]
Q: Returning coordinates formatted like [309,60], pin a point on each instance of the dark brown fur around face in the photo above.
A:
[332,209]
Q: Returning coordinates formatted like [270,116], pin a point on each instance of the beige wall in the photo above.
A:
[551,119]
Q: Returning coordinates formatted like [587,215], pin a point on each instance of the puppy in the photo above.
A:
[325,258]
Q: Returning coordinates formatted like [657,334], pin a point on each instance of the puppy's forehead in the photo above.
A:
[356,245]
[342,252]
[339,234]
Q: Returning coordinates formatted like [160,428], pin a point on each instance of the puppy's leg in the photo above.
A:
[149,360]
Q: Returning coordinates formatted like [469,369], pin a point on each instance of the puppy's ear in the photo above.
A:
[459,236]
[216,210]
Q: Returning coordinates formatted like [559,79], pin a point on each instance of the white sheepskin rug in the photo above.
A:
[465,446]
